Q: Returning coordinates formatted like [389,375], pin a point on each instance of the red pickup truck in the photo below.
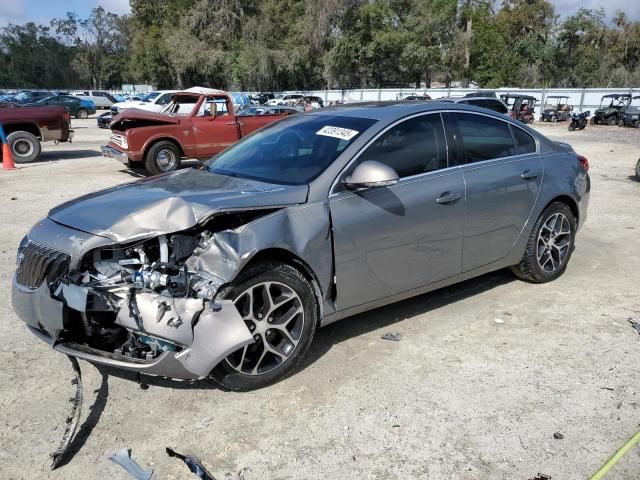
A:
[198,123]
[26,127]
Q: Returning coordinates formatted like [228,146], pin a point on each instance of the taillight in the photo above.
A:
[584,162]
[66,116]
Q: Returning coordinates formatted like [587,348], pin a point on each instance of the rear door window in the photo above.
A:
[484,138]
[524,142]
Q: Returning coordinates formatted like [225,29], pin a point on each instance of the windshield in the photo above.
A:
[279,96]
[293,151]
[149,96]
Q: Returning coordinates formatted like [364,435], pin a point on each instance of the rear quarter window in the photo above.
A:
[523,142]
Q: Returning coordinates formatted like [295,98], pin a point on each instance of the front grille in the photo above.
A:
[38,262]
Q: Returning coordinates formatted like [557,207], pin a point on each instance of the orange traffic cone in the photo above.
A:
[7,157]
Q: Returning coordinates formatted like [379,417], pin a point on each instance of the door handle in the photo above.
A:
[529,174]
[448,198]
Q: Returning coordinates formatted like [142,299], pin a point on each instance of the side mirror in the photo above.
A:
[371,174]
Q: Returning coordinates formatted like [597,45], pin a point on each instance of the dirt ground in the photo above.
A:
[486,371]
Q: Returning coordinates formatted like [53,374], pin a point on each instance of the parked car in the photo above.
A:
[630,114]
[78,107]
[313,100]
[226,271]
[26,97]
[609,112]
[151,102]
[484,102]
[104,120]
[285,99]
[263,98]
[27,126]
[521,107]
[267,110]
[99,98]
[557,109]
[417,98]
[198,123]
[482,93]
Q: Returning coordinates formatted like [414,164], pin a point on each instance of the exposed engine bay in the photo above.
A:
[148,297]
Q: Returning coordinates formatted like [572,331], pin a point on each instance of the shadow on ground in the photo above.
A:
[355,326]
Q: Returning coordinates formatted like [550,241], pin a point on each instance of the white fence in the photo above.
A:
[580,98]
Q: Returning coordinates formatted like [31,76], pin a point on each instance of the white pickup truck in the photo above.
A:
[152,102]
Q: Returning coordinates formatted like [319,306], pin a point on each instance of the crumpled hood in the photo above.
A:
[169,203]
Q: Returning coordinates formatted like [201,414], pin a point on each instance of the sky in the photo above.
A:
[42,11]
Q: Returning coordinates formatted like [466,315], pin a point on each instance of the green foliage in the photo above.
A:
[304,44]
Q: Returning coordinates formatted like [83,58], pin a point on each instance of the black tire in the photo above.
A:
[232,379]
[82,113]
[529,267]
[592,121]
[571,127]
[612,121]
[154,161]
[25,147]
[638,171]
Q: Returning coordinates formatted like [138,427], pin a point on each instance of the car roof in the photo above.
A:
[558,96]
[517,95]
[396,109]
[616,95]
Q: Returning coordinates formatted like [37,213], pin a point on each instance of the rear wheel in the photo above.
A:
[550,245]
[162,157]
[82,113]
[279,307]
[612,121]
[25,146]
[638,171]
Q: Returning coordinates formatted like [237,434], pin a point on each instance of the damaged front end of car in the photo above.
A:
[147,305]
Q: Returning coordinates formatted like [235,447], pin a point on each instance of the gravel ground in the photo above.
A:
[486,371]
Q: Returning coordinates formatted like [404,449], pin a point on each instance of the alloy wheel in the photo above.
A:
[553,244]
[274,314]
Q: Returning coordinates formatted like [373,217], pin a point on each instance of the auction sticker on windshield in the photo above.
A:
[337,132]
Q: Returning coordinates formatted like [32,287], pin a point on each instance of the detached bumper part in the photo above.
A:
[215,335]
[110,152]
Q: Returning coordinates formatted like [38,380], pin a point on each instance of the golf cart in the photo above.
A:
[521,107]
[631,114]
[609,112]
[556,109]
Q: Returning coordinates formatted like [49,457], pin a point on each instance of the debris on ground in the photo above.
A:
[394,337]
[195,466]
[541,476]
[634,324]
[558,436]
[73,419]
[498,320]
[123,458]
[607,388]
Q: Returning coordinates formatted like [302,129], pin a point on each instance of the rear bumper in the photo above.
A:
[111,152]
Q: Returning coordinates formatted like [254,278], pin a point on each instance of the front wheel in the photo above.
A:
[279,307]
[162,157]
[612,121]
[572,127]
[25,146]
[638,171]
[550,245]
[82,113]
